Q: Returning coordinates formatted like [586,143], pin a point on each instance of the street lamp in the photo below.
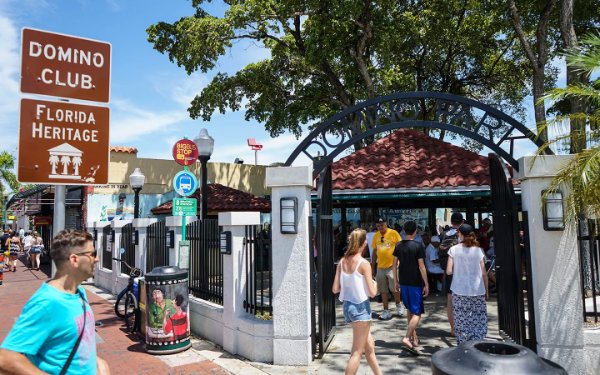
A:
[205,144]
[136,180]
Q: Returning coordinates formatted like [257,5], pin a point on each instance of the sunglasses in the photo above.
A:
[92,253]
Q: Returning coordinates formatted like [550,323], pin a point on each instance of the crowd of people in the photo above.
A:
[408,265]
[14,243]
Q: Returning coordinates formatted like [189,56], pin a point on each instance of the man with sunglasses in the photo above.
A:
[56,330]
[384,243]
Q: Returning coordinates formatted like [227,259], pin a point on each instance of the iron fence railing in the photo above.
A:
[158,252]
[127,244]
[206,260]
[258,267]
[588,238]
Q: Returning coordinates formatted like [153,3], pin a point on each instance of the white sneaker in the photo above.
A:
[385,315]
[400,309]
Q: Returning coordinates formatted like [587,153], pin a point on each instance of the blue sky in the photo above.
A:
[149,94]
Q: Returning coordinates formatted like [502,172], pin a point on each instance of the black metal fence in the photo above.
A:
[129,247]
[158,252]
[588,238]
[107,253]
[206,260]
[258,267]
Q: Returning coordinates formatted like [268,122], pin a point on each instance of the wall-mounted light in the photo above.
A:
[225,242]
[552,211]
[289,215]
[135,237]
[170,239]
[111,236]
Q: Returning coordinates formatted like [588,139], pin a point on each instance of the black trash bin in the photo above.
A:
[167,311]
[491,358]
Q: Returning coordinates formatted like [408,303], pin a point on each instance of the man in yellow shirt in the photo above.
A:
[384,243]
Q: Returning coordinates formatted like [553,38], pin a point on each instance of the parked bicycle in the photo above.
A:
[127,305]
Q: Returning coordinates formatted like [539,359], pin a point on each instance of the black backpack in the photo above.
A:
[446,242]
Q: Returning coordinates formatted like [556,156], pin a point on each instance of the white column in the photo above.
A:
[555,271]
[175,223]
[234,280]
[291,270]
[141,225]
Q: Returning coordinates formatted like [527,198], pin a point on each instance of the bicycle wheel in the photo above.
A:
[120,304]
[130,312]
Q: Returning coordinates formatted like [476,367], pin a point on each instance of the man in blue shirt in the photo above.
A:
[44,335]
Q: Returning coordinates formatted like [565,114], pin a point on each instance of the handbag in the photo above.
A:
[74,350]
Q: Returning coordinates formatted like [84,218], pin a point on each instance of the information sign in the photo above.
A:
[185,152]
[185,207]
[185,183]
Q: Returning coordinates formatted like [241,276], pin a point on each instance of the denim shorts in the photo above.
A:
[357,312]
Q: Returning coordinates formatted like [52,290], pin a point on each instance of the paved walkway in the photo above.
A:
[125,352]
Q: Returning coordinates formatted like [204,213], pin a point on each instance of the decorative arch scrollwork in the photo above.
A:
[467,117]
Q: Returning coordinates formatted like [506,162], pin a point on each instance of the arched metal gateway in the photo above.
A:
[446,112]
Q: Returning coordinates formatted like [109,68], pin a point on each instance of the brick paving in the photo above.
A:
[124,352]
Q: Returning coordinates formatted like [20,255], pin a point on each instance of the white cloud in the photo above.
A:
[9,76]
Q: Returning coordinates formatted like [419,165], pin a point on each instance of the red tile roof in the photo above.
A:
[124,149]
[222,198]
[410,159]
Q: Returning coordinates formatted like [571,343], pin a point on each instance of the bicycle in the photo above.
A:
[127,304]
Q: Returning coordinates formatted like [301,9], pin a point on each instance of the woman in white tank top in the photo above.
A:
[469,286]
[354,281]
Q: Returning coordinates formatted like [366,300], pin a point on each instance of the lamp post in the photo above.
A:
[205,144]
[136,180]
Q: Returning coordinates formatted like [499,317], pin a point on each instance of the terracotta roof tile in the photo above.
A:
[124,149]
[410,159]
[222,198]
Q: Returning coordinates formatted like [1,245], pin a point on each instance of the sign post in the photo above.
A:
[185,183]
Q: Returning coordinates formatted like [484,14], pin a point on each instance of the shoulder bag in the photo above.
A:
[74,350]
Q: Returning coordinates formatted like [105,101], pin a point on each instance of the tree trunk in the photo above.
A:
[539,108]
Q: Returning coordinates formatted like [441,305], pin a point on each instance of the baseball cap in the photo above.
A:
[466,229]
[456,218]
[381,220]
[435,239]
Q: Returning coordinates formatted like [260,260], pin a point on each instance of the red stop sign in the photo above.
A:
[185,152]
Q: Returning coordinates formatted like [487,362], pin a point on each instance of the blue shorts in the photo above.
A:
[357,312]
[412,297]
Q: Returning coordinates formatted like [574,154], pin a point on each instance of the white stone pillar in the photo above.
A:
[175,223]
[291,270]
[555,270]
[234,280]
[141,225]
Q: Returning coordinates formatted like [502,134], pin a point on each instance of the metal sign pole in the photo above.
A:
[58,223]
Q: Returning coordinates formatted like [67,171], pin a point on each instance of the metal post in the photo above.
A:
[58,222]
[136,203]
[255,157]
[204,188]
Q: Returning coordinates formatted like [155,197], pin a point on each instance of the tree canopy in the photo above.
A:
[327,56]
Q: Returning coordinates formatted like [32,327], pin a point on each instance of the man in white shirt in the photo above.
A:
[432,263]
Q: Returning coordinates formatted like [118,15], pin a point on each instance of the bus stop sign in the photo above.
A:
[185,183]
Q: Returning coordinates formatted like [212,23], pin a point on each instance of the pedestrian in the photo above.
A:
[55,332]
[432,263]
[14,247]
[384,243]
[4,245]
[448,239]
[354,281]
[27,248]
[469,286]
[410,277]
[37,245]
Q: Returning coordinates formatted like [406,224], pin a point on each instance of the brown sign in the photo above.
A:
[42,220]
[63,143]
[65,66]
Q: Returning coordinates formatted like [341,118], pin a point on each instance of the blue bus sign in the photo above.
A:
[185,183]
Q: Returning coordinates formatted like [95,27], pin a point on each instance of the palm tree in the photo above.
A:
[65,160]
[53,159]
[7,177]
[582,173]
[76,163]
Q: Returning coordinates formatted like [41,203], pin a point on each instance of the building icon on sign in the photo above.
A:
[65,161]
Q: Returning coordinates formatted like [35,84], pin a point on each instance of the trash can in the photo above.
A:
[167,310]
[491,358]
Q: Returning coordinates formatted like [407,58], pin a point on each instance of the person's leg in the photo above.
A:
[413,322]
[370,353]
[360,333]
[37,260]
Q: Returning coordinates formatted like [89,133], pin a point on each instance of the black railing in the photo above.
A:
[158,252]
[588,238]
[129,247]
[107,247]
[206,260]
[259,278]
